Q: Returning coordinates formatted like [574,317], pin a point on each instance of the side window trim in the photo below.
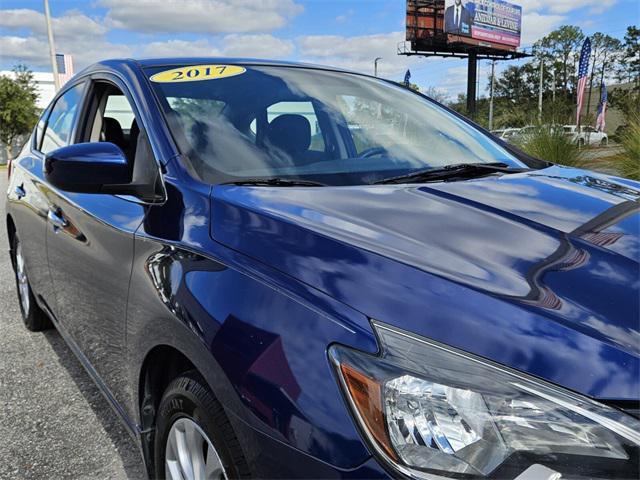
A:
[36,141]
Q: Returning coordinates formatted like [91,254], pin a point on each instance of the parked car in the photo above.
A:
[433,303]
[586,136]
[506,133]
[524,133]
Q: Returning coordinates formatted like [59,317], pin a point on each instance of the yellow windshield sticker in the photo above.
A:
[198,72]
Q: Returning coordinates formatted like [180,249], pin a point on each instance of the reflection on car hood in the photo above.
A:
[556,250]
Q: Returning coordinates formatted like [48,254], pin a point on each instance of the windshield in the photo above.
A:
[309,124]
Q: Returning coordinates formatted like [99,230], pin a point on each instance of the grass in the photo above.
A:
[553,146]
[607,165]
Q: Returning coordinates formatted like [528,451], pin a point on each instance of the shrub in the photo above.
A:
[552,145]
[629,162]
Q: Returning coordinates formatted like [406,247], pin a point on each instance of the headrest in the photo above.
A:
[290,133]
[113,132]
[134,131]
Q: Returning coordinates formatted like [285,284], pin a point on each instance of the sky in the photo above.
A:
[343,33]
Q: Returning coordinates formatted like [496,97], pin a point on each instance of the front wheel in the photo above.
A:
[604,142]
[32,315]
[194,439]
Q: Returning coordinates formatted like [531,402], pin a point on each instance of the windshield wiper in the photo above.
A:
[275,182]
[464,170]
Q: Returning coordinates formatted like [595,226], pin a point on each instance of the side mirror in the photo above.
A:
[99,167]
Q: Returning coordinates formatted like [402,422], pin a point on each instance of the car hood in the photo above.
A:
[538,270]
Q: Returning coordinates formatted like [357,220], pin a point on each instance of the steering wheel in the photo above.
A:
[371,152]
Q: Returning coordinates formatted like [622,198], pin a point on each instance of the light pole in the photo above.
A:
[540,90]
[375,66]
[493,71]
[52,48]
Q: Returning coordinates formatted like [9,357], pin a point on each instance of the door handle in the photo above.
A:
[20,191]
[56,219]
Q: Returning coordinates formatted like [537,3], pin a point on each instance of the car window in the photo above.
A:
[62,120]
[197,108]
[331,127]
[112,119]
[303,108]
[307,110]
[118,107]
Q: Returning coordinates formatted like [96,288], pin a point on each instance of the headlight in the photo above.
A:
[430,411]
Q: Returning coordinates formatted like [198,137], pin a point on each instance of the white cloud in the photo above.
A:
[29,51]
[200,16]
[358,52]
[564,6]
[257,46]
[235,45]
[72,25]
[345,16]
[34,51]
[536,26]
[74,33]
[179,48]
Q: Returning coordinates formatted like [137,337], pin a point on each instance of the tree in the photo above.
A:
[517,83]
[604,51]
[630,64]
[627,101]
[436,94]
[564,45]
[18,111]
[411,86]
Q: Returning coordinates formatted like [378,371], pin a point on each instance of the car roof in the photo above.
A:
[180,61]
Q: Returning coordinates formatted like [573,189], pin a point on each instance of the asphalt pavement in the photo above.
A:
[54,422]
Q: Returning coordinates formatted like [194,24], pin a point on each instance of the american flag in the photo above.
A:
[583,70]
[602,109]
[65,67]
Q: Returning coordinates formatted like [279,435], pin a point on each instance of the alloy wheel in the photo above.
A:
[23,283]
[190,455]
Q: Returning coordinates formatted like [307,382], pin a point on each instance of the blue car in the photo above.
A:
[276,270]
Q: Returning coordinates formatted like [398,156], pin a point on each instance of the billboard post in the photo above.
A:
[472,74]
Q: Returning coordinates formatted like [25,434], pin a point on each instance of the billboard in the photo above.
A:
[493,21]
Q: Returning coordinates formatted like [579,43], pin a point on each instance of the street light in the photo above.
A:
[52,48]
[375,66]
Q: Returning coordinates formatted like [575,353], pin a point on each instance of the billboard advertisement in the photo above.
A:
[494,21]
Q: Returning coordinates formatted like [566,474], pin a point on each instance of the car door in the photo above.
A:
[90,243]
[27,207]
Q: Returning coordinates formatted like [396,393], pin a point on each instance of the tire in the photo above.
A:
[33,316]
[188,400]
[604,142]
[581,142]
